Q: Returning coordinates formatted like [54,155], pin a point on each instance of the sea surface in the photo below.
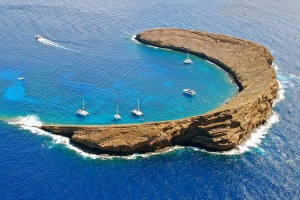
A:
[89,53]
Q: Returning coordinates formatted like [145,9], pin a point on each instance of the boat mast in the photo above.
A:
[138,104]
[117,110]
[82,104]
[188,57]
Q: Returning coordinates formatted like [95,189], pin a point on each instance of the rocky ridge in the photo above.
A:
[248,63]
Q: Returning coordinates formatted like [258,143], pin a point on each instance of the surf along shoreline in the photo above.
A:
[249,65]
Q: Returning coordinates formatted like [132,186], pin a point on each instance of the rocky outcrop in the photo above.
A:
[250,66]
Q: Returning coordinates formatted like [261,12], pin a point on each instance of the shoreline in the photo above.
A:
[220,129]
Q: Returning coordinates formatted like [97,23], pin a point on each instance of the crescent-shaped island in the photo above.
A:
[249,65]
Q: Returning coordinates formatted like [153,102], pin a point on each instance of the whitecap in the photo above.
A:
[294,76]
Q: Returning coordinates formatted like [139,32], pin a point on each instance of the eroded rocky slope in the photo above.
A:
[250,66]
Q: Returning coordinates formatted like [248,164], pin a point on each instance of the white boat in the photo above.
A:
[82,112]
[21,78]
[38,37]
[189,92]
[188,60]
[117,116]
[137,111]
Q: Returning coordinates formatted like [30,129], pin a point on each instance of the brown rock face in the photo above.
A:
[248,63]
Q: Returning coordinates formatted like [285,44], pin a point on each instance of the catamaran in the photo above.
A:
[189,92]
[188,60]
[117,116]
[82,112]
[137,111]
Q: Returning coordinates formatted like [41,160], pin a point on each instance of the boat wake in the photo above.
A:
[54,44]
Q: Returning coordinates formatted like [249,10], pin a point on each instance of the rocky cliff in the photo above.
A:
[248,63]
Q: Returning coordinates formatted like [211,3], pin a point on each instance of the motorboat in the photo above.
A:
[137,111]
[188,60]
[189,92]
[38,37]
[21,78]
[82,112]
[117,116]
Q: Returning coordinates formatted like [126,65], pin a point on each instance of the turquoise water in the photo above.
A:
[106,70]
[95,57]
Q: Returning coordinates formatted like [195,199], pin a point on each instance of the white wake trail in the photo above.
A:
[54,44]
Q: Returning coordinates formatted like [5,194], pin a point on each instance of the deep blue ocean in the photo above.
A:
[89,53]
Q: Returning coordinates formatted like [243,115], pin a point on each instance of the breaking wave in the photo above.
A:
[27,121]
[259,133]
[253,141]
[133,39]
[32,123]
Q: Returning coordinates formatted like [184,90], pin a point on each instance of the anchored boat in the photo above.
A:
[82,112]
[117,116]
[188,60]
[137,111]
[189,92]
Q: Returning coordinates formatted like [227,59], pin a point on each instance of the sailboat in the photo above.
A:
[82,112]
[137,111]
[117,116]
[188,60]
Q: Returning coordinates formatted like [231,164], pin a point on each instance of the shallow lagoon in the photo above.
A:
[58,75]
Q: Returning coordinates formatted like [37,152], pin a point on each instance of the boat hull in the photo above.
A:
[137,112]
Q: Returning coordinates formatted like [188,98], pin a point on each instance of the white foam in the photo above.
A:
[253,141]
[280,94]
[281,91]
[259,133]
[133,39]
[33,124]
[30,120]
[51,43]
[294,76]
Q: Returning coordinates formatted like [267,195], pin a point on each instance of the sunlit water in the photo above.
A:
[88,52]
